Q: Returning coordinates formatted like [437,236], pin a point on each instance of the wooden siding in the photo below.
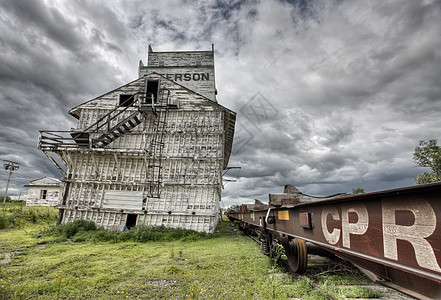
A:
[53,196]
[122,200]
[104,185]
[181,59]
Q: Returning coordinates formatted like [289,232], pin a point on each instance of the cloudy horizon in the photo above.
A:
[329,95]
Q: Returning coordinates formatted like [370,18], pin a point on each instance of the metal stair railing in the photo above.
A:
[117,130]
[53,140]
[109,116]
[107,119]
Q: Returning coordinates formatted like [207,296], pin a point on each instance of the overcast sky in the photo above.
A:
[330,95]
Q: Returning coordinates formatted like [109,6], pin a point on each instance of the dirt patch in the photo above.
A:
[7,257]
[40,246]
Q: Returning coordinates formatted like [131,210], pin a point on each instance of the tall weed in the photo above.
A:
[81,231]
[18,215]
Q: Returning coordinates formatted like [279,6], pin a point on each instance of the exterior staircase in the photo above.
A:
[116,131]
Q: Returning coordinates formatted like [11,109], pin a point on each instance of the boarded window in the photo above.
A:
[123,200]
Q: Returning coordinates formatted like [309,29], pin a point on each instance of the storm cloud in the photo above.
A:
[330,95]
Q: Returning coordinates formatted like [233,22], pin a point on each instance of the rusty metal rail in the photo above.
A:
[394,235]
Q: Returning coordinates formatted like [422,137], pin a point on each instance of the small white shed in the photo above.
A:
[46,191]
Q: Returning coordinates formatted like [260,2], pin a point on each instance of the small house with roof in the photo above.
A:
[46,191]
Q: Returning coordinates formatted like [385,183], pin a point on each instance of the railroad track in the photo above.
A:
[295,276]
[323,265]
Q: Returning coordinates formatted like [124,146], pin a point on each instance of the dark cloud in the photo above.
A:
[345,90]
[52,59]
[46,21]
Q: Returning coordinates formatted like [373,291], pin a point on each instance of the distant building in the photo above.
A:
[149,152]
[44,191]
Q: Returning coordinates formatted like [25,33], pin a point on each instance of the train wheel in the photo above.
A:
[265,247]
[241,225]
[297,255]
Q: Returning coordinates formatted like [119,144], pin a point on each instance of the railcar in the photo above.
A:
[393,236]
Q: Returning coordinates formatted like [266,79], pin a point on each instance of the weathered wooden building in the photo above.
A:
[44,191]
[149,152]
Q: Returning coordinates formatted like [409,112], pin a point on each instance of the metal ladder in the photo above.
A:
[156,148]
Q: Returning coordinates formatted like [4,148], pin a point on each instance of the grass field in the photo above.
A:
[38,261]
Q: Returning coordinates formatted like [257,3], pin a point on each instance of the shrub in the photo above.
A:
[8,199]
[143,233]
[69,230]
[72,228]
[17,215]
[81,230]
[4,222]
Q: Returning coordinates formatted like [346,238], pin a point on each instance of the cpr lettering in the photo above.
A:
[423,226]
[334,236]
[347,228]
[359,227]
[416,234]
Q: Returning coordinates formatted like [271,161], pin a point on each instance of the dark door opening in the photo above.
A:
[131,220]
[152,91]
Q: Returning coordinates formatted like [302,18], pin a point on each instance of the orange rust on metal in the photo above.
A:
[290,202]
[305,220]
[395,234]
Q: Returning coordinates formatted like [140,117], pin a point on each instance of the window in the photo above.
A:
[43,194]
[126,99]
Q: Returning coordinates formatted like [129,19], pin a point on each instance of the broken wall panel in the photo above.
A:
[123,199]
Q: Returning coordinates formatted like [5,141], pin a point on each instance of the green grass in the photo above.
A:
[17,215]
[353,292]
[81,231]
[70,262]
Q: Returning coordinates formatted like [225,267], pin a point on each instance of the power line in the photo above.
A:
[11,166]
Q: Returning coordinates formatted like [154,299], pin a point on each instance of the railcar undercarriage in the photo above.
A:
[393,236]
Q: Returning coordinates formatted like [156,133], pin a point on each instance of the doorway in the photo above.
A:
[131,220]
[152,91]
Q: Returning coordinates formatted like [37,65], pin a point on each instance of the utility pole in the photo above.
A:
[11,166]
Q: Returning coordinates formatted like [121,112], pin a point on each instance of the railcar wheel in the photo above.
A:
[297,255]
[265,247]
[266,244]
